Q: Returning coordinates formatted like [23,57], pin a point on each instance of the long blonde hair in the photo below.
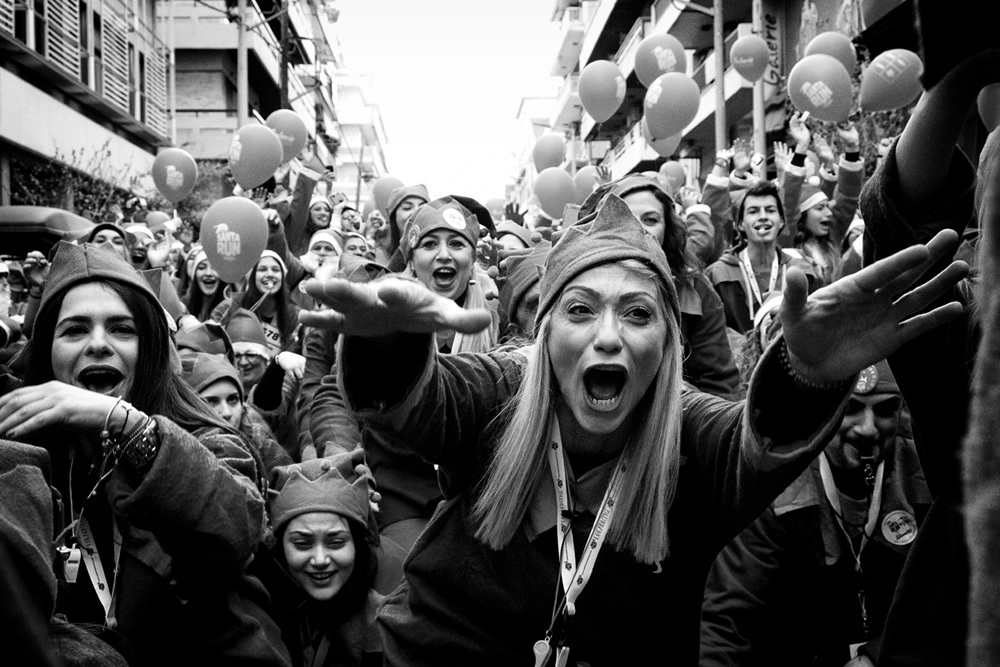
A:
[518,465]
[485,340]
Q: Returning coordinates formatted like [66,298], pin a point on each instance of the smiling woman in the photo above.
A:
[141,463]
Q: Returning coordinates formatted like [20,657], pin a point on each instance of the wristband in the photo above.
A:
[799,159]
[786,364]
[852,156]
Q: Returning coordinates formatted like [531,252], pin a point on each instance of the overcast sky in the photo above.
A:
[449,76]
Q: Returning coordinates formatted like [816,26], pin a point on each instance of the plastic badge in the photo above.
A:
[542,651]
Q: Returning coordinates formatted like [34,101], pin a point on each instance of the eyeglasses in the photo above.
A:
[249,357]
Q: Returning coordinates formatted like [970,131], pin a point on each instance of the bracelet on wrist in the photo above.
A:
[805,383]
[144,448]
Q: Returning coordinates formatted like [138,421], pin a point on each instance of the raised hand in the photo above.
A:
[849,137]
[36,269]
[799,132]
[782,156]
[28,409]
[844,327]
[388,306]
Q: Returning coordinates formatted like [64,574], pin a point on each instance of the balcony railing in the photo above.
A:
[700,75]
[625,57]
[117,56]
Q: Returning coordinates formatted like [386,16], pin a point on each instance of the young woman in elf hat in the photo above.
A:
[587,492]
[161,502]
[707,358]
[400,207]
[267,296]
[206,289]
[322,560]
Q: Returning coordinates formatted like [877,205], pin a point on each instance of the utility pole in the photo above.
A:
[285,43]
[759,138]
[242,84]
[721,127]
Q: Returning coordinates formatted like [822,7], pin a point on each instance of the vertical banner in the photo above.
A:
[773,30]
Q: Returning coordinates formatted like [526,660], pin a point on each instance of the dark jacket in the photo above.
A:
[786,592]
[463,603]
[708,358]
[928,620]
[727,279]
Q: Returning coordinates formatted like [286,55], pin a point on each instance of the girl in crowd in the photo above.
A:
[267,297]
[401,205]
[321,562]
[206,290]
[587,440]
[161,502]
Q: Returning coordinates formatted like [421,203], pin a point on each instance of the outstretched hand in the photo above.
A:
[388,306]
[863,318]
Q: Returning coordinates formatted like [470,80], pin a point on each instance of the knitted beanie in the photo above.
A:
[522,233]
[523,271]
[810,196]
[397,196]
[337,484]
[876,379]
[470,207]
[203,370]
[320,200]
[330,237]
[427,218]
[612,236]
[100,227]
[194,258]
[247,333]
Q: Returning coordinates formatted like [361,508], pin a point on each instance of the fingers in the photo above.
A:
[907,264]
[796,292]
[468,321]
[942,245]
[341,294]
[328,320]
[926,294]
[925,322]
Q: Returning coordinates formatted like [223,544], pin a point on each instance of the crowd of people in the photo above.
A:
[710,422]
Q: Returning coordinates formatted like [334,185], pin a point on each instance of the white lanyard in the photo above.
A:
[751,279]
[833,497]
[95,568]
[574,578]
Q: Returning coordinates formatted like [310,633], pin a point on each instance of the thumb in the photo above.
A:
[468,321]
[795,293]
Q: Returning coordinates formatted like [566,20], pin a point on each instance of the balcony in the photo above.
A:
[628,153]
[567,108]
[571,42]
[118,71]
[625,57]
[595,28]
[704,74]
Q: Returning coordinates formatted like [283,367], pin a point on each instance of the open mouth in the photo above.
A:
[103,379]
[269,283]
[763,228]
[604,385]
[444,278]
[321,578]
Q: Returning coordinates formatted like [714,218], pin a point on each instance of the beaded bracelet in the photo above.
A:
[786,363]
[143,450]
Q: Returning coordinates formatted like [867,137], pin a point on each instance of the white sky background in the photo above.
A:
[449,76]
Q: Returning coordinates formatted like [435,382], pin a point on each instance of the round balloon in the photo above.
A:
[892,80]
[820,85]
[554,188]
[254,154]
[602,89]
[671,103]
[837,45]
[367,208]
[174,174]
[657,55]
[989,106]
[382,189]
[549,151]
[664,147]
[750,56]
[673,173]
[586,180]
[291,130]
[233,235]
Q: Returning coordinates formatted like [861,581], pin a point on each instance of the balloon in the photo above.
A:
[602,89]
[892,80]
[382,189]
[664,147]
[820,85]
[367,209]
[671,103]
[835,44]
[233,235]
[750,56]
[673,173]
[291,130]
[659,54]
[174,174]
[989,106]
[254,155]
[496,207]
[549,151]
[554,188]
[585,181]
